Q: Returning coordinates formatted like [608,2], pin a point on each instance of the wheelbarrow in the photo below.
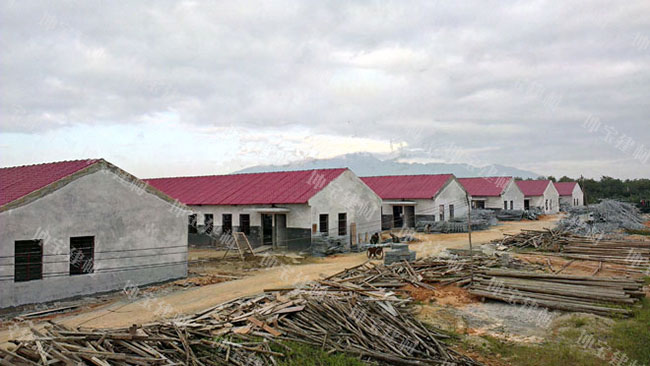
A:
[376,251]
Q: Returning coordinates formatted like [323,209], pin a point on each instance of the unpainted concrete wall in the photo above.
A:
[138,238]
[347,193]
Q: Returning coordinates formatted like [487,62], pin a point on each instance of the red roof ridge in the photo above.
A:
[245,173]
[404,175]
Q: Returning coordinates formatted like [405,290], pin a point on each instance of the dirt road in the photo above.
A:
[141,309]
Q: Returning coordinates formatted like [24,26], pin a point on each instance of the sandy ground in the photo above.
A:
[141,308]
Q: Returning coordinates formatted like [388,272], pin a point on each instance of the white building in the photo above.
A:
[541,194]
[409,199]
[283,209]
[571,194]
[80,227]
[495,193]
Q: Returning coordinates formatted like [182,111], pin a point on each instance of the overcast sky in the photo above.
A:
[171,88]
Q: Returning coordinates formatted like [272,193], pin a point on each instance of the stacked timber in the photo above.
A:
[634,255]
[597,295]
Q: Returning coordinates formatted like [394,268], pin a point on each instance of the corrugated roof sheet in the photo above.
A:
[19,181]
[247,189]
[485,186]
[533,187]
[407,186]
[565,188]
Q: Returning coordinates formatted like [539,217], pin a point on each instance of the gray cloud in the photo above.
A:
[517,77]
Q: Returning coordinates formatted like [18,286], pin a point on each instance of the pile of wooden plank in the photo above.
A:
[633,255]
[372,324]
[598,295]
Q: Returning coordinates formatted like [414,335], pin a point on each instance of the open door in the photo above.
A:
[398,217]
[267,229]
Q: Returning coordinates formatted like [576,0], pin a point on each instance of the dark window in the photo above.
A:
[227,224]
[245,223]
[28,260]
[82,255]
[546,204]
[451,212]
[505,205]
[442,212]
[343,223]
[191,224]
[323,223]
[512,205]
[209,223]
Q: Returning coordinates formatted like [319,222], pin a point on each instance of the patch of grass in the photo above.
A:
[632,336]
[305,355]
[638,231]
[548,353]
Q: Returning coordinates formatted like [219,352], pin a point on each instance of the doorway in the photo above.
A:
[280,230]
[267,229]
[398,216]
[526,204]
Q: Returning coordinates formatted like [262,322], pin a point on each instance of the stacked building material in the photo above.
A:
[399,252]
[630,255]
[634,255]
[606,217]
[547,239]
[322,246]
[597,295]
[517,215]
[375,325]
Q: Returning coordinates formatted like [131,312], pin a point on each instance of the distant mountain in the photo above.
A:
[366,164]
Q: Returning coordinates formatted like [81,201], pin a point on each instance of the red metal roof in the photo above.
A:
[565,188]
[19,181]
[407,186]
[485,186]
[247,189]
[533,187]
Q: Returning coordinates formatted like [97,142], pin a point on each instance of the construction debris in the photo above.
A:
[606,217]
[333,315]
[597,295]
[547,239]
[631,255]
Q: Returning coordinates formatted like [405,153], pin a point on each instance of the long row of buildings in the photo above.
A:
[79,227]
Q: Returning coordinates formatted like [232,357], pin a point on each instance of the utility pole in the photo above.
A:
[469,233]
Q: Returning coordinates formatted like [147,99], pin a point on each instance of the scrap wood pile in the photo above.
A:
[602,296]
[633,255]
[606,217]
[548,239]
[424,272]
[373,325]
